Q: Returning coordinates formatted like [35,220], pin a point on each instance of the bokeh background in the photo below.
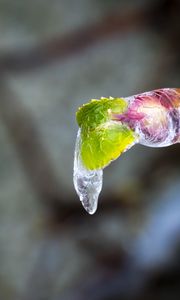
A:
[54,56]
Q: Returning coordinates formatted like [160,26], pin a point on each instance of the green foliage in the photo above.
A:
[102,140]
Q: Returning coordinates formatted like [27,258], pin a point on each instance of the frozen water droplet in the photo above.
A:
[87,183]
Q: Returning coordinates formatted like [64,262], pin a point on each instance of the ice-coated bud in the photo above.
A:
[111,126]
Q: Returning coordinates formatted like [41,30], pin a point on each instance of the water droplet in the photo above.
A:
[87,183]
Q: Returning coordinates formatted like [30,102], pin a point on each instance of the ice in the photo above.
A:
[153,116]
[88,184]
[160,122]
[158,133]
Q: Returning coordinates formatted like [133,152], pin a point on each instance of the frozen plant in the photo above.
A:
[110,126]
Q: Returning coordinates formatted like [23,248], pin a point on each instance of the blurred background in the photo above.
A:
[54,56]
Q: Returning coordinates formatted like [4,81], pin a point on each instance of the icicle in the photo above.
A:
[88,184]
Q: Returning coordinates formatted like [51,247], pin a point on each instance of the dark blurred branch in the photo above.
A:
[27,141]
[64,46]
[120,22]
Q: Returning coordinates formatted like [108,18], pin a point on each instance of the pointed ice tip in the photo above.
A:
[89,204]
[90,211]
[87,183]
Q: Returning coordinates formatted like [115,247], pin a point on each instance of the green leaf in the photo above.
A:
[96,112]
[102,139]
[106,143]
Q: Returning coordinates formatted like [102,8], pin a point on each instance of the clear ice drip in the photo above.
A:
[88,184]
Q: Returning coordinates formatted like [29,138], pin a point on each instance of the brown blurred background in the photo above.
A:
[54,56]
